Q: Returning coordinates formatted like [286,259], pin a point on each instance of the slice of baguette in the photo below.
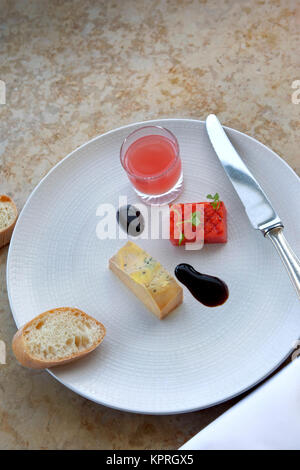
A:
[8,219]
[56,337]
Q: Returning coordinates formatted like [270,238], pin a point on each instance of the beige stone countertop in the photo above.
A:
[75,69]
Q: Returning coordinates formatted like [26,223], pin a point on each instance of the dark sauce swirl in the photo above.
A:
[209,290]
[131,220]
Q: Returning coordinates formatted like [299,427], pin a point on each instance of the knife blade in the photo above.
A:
[258,208]
[257,205]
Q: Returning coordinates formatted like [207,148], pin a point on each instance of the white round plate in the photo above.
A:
[197,356]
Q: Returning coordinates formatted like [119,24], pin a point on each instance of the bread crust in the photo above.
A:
[24,357]
[6,233]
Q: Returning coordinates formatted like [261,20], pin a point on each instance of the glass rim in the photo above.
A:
[163,172]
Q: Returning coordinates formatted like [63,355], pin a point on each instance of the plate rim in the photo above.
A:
[10,249]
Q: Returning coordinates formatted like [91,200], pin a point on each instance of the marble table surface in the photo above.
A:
[75,69]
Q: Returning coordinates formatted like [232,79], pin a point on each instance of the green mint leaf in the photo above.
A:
[216,200]
[196,218]
[181,238]
[216,204]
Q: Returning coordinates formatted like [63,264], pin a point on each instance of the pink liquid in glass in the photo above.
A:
[153,164]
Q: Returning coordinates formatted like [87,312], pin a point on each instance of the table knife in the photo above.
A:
[258,208]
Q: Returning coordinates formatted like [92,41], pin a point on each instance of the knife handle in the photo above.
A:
[288,257]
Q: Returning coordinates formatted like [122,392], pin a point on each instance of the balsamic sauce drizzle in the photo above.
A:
[131,220]
[209,290]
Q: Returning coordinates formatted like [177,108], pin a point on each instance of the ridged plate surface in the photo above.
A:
[197,356]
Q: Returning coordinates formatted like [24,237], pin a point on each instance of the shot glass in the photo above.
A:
[150,156]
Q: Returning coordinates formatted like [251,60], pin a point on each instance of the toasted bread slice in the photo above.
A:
[8,218]
[147,279]
[56,337]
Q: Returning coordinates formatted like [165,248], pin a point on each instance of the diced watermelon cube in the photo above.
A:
[215,223]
